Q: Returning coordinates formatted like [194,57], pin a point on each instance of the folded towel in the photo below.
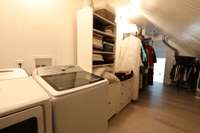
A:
[97,57]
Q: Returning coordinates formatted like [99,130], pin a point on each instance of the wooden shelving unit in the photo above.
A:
[103,33]
[103,65]
[103,20]
[100,23]
[102,52]
[90,24]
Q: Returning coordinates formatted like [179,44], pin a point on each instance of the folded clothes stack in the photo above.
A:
[97,41]
[102,72]
[109,29]
[97,59]
[107,46]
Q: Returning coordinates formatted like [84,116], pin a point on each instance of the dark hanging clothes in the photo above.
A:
[185,72]
[154,56]
[151,55]
[150,76]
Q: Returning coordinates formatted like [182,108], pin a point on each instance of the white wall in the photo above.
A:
[168,65]
[37,28]
[99,4]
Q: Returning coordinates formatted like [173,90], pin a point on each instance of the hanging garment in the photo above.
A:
[185,75]
[128,59]
[154,56]
[150,76]
[143,55]
[151,55]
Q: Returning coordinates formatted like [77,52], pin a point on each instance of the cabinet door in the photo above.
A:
[125,93]
[128,88]
[122,98]
[113,99]
[111,108]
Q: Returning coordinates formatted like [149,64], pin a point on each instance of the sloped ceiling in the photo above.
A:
[180,19]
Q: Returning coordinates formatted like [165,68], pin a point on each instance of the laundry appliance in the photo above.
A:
[79,98]
[24,106]
[11,73]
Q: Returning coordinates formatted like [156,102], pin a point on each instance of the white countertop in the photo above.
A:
[12,73]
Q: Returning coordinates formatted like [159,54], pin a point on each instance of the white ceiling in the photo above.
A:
[180,19]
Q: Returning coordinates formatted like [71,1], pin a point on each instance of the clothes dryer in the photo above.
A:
[24,105]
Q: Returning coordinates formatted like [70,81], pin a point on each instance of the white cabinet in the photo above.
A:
[119,95]
[113,98]
[85,38]
[89,25]
[125,93]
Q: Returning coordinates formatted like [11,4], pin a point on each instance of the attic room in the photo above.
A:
[99,66]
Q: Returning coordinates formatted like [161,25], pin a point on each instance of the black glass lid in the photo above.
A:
[71,80]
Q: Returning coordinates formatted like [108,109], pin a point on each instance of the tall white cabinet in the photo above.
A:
[119,94]
[90,24]
[85,38]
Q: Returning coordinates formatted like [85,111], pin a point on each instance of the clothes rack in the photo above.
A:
[184,73]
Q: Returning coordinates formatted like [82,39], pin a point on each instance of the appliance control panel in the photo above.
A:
[51,70]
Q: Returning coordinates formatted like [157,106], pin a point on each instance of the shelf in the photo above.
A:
[103,20]
[103,33]
[112,44]
[102,52]
[103,65]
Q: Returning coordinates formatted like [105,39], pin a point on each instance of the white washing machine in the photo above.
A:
[79,99]
[12,73]
[24,106]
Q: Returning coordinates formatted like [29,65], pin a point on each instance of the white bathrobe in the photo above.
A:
[128,59]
